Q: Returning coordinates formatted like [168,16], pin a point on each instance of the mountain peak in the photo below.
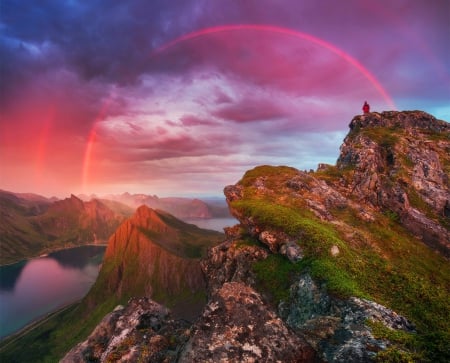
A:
[400,119]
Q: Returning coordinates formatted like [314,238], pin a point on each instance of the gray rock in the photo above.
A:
[141,331]
[336,328]
[237,326]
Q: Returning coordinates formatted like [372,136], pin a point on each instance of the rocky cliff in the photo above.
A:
[345,264]
[400,162]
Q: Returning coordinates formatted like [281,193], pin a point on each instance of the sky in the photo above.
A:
[181,97]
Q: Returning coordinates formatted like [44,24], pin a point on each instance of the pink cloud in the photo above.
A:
[250,110]
[192,120]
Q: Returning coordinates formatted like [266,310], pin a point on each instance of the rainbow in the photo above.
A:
[289,32]
[234,28]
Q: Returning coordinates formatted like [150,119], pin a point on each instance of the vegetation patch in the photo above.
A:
[386,137]
[190,241]
[275,275]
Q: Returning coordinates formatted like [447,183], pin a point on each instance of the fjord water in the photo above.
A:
[216,224]
[33,288]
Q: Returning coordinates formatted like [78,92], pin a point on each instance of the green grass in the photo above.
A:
[275,275]
[385,137]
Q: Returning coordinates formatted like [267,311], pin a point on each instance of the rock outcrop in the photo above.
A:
[400,163]
[141,331]
[237,326]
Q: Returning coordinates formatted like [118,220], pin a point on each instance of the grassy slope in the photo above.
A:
[381,260]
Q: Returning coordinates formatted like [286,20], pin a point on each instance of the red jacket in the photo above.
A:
[366,107]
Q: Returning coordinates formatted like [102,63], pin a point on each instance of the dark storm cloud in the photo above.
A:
[113,40]
[105,39]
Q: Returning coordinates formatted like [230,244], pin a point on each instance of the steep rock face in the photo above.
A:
[400,162]
[76,221]
[338,328]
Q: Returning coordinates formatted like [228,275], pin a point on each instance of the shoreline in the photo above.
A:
[11,338]
[45,253]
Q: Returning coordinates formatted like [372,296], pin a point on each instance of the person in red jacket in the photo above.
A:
[366,107]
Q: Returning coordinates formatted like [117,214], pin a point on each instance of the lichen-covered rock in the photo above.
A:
[237,326]
[141,331]
[231,262]
[338,328]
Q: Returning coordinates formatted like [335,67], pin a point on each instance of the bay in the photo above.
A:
[33,288]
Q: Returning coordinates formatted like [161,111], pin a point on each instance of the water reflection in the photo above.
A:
[83,256]
[39,286]
[216,224]
[10,274]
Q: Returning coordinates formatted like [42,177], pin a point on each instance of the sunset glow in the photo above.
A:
[183,98]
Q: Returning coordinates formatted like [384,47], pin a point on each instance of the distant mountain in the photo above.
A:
[19,236]
[29,203]
[182,208]
[31,225]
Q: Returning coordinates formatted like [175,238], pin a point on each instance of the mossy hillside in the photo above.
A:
[379,260]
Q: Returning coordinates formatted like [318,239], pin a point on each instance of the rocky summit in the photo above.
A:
[345,264]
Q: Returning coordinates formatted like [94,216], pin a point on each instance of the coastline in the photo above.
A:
[11,338]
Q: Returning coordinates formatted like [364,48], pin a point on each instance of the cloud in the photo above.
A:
[192,120]
[98,79]
[250,110]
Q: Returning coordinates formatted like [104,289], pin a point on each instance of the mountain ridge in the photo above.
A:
[180,207]
[31,227]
